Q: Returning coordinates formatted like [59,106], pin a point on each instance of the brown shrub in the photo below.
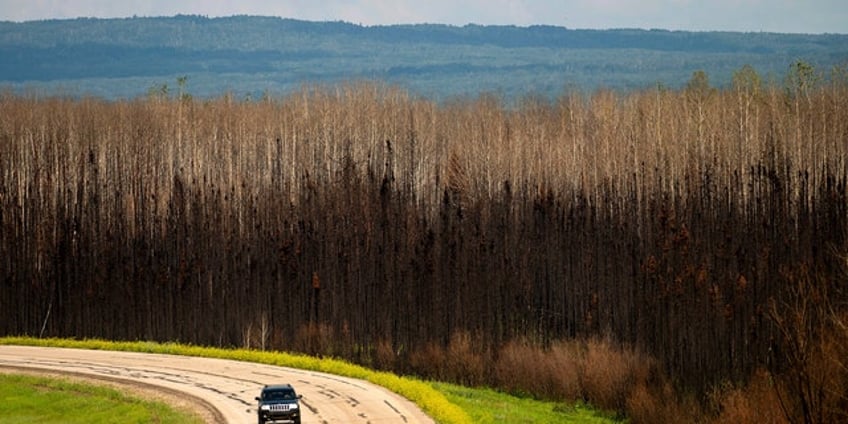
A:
[521,368]
[610,372]
[563,361]
[657,402]
[812,384]
[757,402]
[428,361]
[642,405]
[384,355]
[815,390]
[464,364]
[596,370]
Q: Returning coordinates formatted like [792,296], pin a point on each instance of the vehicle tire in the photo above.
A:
[261,421]
[297,420]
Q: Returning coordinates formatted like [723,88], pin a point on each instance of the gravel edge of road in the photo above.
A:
[175,398]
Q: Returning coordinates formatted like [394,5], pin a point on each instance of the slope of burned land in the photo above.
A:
[358,222]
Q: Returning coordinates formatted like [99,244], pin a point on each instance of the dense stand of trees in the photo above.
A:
[663,219]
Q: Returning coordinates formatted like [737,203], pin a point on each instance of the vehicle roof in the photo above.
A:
[278,387]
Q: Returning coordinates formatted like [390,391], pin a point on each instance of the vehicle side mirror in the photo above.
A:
[300,396]
[258,398]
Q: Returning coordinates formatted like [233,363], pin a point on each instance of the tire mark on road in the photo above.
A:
[395,409]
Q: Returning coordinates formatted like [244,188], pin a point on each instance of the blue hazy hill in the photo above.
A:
[251,55]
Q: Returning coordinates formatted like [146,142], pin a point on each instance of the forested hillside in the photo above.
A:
[251,56]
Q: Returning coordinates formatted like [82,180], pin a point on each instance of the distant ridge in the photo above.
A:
[251,55]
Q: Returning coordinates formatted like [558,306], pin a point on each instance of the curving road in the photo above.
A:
[222,390]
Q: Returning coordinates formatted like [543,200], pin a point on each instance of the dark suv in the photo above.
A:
[279,402]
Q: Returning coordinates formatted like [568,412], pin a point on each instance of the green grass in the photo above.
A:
[446,404]
[27,399]
[488,406]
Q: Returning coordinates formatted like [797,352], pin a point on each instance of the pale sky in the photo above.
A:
[805,16]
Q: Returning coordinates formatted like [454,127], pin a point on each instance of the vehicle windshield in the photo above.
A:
[278,395]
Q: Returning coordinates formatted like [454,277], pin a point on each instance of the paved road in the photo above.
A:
[225,388]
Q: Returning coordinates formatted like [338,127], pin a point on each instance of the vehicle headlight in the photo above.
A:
[265,407]
[293,406]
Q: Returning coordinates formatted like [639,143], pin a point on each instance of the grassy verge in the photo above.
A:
[488,406]
[28,399]
[447,404]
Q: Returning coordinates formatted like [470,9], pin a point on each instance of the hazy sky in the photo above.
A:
[811,16]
